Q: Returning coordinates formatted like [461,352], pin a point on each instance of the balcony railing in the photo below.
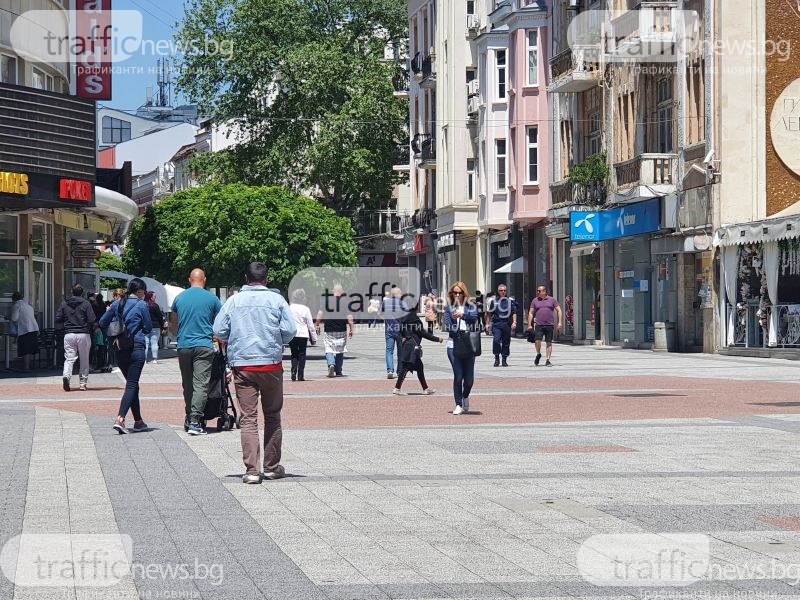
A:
[577,67]
[567,193]
[646,20]
[647,169]
[400,82]
[374,222]
[424,146]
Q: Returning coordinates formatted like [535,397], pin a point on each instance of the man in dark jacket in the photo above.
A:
[78,318]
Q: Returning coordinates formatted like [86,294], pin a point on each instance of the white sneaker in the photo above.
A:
[396,392]
[428,391]
[465,404]
[390,375]
[154,362]
[458,410]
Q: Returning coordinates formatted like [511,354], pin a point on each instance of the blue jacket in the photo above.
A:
[136,315]
[451,323]
[256,323]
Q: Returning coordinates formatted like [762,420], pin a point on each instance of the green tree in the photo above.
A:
[306,85]
[221,228]
[110,262]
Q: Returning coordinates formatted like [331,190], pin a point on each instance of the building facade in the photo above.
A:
[757,296]
[52,212]
[632,194]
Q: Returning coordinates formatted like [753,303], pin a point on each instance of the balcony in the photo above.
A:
[401,157]
[646,176]
[376,222]
[400,83]
[575,70]
[422,67]
[565,195]
[645,31]
[424,147]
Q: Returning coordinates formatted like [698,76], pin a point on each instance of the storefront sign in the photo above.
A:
[624,221]
[446,242]
[785,126]
[85,252]
[504,251]
[13,183]
[625,274]
[75,189]
[93,31]
[413,244]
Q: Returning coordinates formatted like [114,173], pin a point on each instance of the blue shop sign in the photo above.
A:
[624,221]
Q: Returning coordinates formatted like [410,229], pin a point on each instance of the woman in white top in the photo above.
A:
[27,329]
[305,332]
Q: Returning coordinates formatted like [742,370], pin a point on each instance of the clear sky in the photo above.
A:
[158,18]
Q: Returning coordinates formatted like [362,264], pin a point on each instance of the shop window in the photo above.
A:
[12,277]
[42,239]
[9,234]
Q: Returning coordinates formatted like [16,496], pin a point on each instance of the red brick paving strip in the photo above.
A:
[307,406]
[787,523]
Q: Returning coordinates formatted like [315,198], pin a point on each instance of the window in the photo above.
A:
[42,239]
[8,69]
[470,7]
[470,179]
[500,62]
[500,155]
[593,142]
[533,57]
[9,234]
[115,130]
[38,80]
[49,83]
[664,116]
[533,155]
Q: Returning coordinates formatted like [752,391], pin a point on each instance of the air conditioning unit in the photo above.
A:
[473,22]
[472,88]
[574,4]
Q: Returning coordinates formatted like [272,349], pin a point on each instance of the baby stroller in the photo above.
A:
[220,405]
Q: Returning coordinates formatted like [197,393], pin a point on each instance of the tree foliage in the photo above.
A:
[110,262]
[221,228]
[306,85]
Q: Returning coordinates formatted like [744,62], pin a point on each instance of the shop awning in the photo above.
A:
[583,249]
[515,266]
[116,208]
[769,230]
[162,296]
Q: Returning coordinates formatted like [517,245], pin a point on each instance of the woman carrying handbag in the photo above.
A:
[460,317]
[131,323]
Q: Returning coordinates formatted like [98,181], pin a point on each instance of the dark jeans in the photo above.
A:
[430,326]
[463,375]
[406,368]
[131,363]
[298,348]
[195,365]
[501,344]
[393,341]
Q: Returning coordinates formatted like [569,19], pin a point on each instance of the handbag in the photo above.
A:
[467,343]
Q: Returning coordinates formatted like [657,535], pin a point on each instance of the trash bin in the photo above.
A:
[664,338]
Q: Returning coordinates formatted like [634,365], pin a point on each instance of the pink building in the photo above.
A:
[515,134]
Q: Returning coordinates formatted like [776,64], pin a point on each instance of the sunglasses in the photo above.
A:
[458,292]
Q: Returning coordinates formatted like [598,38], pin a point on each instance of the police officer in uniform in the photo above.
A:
[501,320]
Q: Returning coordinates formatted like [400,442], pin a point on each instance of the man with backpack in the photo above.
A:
[78,318]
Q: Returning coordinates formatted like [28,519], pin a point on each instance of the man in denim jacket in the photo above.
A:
[255,324]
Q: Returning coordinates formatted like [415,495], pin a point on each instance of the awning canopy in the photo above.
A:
[768,230]
[162,297]
[583,249]
[515,266]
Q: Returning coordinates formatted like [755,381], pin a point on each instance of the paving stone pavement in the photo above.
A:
[459,509]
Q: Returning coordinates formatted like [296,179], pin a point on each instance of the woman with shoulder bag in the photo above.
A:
[411,333]
[133,318]
[460,317]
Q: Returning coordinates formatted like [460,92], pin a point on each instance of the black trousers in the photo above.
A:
[406,368]
[298,348]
